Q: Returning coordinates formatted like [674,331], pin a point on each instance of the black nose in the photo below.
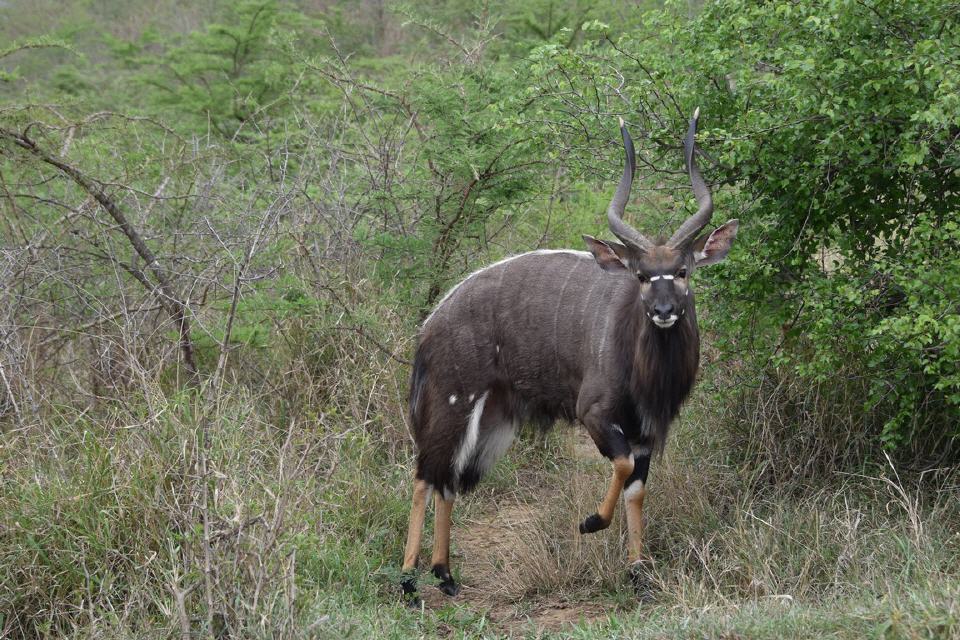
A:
[663,310]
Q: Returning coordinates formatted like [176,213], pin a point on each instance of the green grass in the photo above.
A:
[102,526]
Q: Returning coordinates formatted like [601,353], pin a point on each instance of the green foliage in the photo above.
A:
[13,75]
[837,122]
[232,76]
[917,341]
[474,164]
[841,130]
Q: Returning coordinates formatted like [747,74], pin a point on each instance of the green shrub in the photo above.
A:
[836,124]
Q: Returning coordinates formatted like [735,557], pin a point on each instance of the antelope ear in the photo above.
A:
[607,254]
[713,247]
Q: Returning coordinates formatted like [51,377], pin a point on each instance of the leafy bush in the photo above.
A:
[840,131]
[231,77]
[837,123]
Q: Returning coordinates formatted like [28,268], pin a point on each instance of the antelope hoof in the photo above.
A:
[447,584]
[408,582]
[593,523]
[642,581]
[449,587]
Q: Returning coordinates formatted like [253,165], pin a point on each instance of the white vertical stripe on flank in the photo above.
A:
[469,443]
[603,338]
[556,316]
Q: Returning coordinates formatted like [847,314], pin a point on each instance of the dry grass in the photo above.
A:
[216,511]
[110,527]
[546,555]
[786,429]
[885,545]
[276,506]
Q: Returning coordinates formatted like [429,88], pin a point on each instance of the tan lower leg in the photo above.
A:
[421,492]
[633,506]
[622,468]
[441,531]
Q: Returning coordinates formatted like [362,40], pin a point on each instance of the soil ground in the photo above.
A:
[484,541]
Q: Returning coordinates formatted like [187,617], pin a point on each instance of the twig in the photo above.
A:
[163,290]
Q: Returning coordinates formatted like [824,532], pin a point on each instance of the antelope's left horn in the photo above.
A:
[627,234]
[688,231]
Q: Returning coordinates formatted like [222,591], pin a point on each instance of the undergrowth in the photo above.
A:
[222,512]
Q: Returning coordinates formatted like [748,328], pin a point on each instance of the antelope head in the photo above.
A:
[663,270]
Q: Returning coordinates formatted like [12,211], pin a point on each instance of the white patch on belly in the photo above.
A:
[495,443]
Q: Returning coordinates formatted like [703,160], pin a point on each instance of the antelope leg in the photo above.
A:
[418,512]
[635,490]
[612,444]
[622,468]
[441,545]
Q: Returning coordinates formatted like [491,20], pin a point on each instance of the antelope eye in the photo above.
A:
[642,278]
[682,273]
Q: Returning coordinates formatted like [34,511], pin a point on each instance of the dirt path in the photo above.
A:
[485,545]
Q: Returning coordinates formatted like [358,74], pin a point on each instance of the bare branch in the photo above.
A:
[163,290]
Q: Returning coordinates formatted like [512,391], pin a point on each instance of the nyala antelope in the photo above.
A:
[607,337]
